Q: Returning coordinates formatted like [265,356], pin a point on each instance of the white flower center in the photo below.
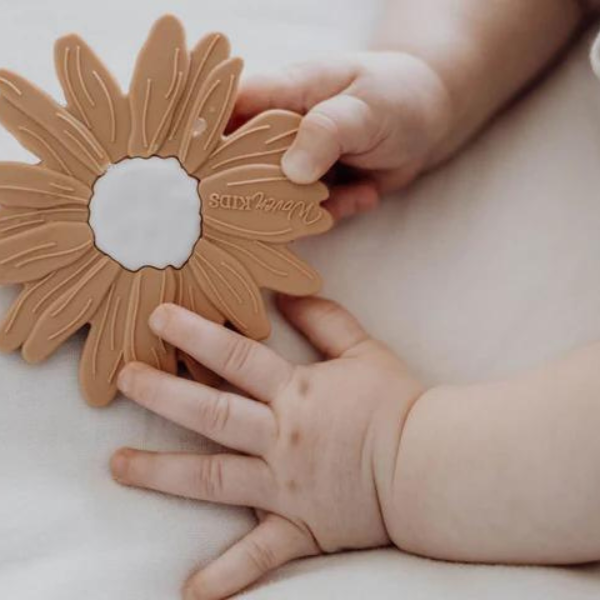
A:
[146,213]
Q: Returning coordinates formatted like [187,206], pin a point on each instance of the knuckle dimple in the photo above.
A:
[318,119]
[237,356]
[209,477]
[260,556]
[328,313]
[214,414]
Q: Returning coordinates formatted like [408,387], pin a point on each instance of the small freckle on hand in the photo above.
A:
[304,388]
[295,437]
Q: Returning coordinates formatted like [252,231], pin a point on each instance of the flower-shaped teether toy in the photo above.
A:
[140,199]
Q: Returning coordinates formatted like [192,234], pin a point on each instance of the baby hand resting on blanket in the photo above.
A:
[353,451]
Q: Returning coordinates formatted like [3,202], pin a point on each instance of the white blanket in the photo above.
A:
[489,266]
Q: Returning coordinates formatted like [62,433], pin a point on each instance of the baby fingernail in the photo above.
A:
[118,465]
[299,166]
[158,319]
[124,380]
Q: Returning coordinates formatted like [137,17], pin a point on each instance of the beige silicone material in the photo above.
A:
[158,82]
[93,96]
[178,105]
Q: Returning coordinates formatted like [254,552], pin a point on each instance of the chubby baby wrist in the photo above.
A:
[389,428]
[434,104]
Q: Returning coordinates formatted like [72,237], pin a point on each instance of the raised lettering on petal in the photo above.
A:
[307,213]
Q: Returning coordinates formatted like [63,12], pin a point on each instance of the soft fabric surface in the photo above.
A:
[485,268]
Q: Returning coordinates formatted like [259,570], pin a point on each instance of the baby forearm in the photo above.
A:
[504,472]
[484,52]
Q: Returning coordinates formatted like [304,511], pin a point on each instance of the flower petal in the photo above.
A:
[49,131]
[31,186]
[150,287]
[71,311]
[33,254]
[19,220]
[208,53]
[93,95]
[259,202]
[210,114]
[14,221]
[35,298]
[271,265]
[230,288]
[261,141]
[192,297]
[158,82]
[103,355]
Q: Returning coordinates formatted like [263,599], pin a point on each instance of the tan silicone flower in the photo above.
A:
[178,105]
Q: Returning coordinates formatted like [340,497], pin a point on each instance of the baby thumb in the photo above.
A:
[335,127]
